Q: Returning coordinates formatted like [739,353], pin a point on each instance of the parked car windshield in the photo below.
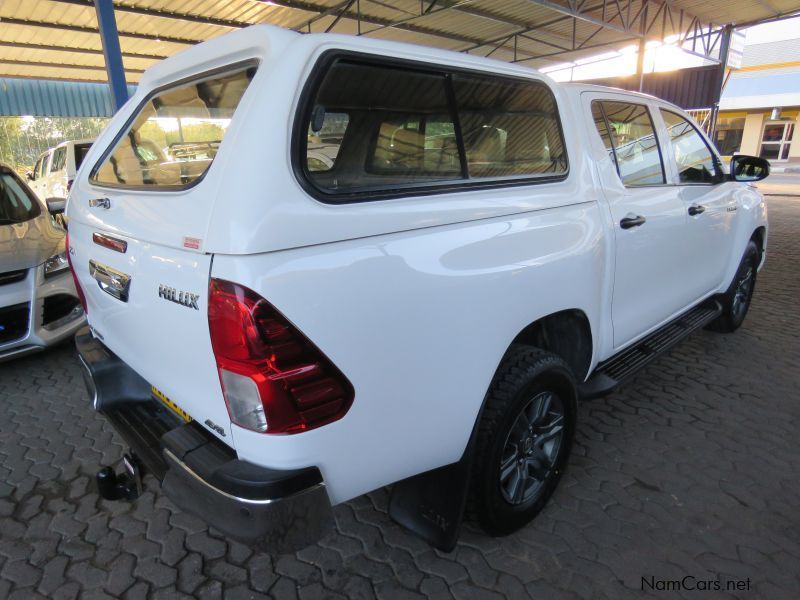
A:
[175,135]
[17,204]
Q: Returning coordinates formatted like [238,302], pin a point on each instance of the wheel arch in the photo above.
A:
[566,333]
[760,238]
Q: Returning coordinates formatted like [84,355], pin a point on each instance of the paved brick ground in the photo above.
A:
[693,469]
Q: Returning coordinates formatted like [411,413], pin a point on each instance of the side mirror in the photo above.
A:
[29,175]
[56,206]
[317,118]
[749,168]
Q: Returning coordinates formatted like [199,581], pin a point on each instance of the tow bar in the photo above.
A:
[126,485]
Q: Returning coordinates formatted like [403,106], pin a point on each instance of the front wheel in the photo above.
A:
[736,299]
[524,438]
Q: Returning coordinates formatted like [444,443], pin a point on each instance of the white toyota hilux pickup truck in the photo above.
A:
[315,265]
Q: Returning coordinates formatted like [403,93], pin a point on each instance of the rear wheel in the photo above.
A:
[524,438]
[736,299]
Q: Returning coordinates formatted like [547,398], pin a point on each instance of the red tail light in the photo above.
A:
[273,378]
[78,288]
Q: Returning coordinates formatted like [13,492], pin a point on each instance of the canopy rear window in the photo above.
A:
[175,135]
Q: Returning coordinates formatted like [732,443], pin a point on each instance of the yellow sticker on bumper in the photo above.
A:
[170,404]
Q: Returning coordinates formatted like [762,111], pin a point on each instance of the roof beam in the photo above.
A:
[302,5]
[34,63]
[628,18]
[121,7]
[380,22]
[95,31]
[339,14]
[576,12]
[74,50]
[788,15]
[403,24]
[640,23]
[321,15]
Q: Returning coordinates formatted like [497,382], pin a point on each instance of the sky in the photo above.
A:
[661,57]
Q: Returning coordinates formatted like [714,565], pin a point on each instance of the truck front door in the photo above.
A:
[709,200]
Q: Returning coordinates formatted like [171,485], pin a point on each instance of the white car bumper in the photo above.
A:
[36,312]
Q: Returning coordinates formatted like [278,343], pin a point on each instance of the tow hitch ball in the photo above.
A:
[126,485]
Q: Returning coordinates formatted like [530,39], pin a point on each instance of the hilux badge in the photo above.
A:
[178,297]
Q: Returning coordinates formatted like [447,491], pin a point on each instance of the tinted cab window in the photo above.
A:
[629,136]
[693,157]
[509,127]
[373,130]
[378,127]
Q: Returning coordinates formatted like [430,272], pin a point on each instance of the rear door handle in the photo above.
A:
[629,222]
[112,282]
[696,209]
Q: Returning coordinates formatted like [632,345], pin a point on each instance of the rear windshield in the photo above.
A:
[80,154]
[175,135]
[17,203]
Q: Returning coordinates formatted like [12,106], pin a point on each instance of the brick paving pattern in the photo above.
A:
[691,469]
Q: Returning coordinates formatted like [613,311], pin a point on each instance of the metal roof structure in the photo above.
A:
[48,98]
[59,39]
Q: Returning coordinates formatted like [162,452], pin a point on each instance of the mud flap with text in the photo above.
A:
[432,504]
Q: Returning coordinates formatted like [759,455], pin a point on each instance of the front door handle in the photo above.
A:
[629,222]
[696,209]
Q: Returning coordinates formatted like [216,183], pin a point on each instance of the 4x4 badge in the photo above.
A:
[178,297]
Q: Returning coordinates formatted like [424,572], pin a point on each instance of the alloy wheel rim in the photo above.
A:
[531,448]
[742,295]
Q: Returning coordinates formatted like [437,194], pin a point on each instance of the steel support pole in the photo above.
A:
[640,64]
[724,49]
[109,37]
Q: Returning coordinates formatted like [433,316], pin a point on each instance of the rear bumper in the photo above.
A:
[269,509]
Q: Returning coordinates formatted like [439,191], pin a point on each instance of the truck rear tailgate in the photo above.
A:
[149,306]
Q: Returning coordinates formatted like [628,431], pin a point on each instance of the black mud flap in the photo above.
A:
[432,504]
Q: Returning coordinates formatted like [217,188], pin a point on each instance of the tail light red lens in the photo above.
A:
[78,288]
[274,379]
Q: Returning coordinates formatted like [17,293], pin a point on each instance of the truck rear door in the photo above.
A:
[648,216]
[137,217]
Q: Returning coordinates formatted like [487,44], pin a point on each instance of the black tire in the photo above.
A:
[526,376]
[736,299]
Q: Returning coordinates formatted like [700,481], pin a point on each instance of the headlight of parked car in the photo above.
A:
[55,265]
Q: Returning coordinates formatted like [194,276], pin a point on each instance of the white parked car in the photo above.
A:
[55,170]
[424,307]
[38,303]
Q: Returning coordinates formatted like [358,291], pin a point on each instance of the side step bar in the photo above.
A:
[613,372]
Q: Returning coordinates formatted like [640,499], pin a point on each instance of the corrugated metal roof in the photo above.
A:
[58,39]
[20,97]
[771,53]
